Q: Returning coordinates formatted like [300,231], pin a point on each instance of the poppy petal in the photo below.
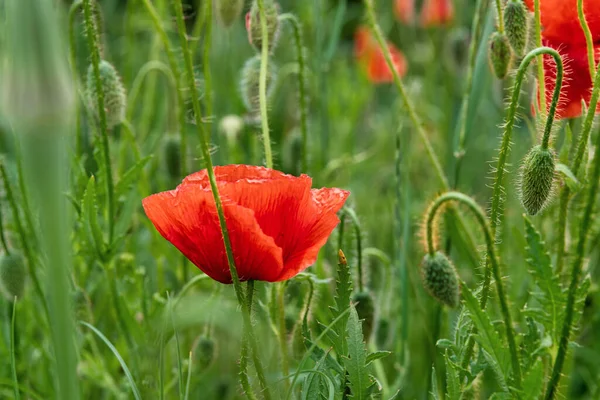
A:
[233,173]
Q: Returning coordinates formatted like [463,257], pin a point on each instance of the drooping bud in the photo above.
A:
[253,24]
[365,308]
[228,11]
[500,54]
[440,279]
[537,179]
[12,276]
[250,83]
[205,352]
[115,99]
[515,21]
[172,156]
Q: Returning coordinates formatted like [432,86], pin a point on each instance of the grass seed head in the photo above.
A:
[440,279]
[12,276]
[537,179]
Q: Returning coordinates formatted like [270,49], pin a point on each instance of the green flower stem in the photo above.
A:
[283,344]
[208,22]
[491,251]
[302,92]
[244,352]
[262,86]
[588,36]
[565,194]
[357,232]
[586,223]
[540,61]
[73,10]
[172,60]
[95,55]
[555,98]
[191,83]
[2,235]
[13,347]
[31,261]
[500,16]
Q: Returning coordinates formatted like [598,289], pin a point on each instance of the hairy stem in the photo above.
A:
[540,61]
[588,36]
[262,86]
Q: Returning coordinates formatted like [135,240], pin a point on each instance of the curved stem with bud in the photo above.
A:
[540,64]
[493,257]
[589,41]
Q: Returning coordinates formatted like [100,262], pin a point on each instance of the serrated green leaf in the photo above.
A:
[342,303]
[130,176]
[434,394]
[312,386]
[356,362]
[452,379]
[501,396]
[568,176]
[533,384]
[377,355]
[89,218]
[444,344]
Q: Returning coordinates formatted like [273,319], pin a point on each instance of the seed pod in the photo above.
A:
[537,179]
[115,99]
[228,11]
[205,352]
[440,279]
[12,276]
[515,20]
[500,54]
[365,308]
[173,156]
[250,83]
[253,25]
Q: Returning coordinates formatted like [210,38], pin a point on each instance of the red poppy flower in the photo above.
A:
[276,222]
[560,20]
[437,12]
[370,55]
[404,10]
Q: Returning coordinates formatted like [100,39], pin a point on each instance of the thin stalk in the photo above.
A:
[13,361]
[244,352]
[494,261]
[213,186]
[500,16]
[2,235]
[357,232]
[302,92]
[285,364]
[189,377]
[26,205]
[540,60]
[554,104]
[95,55]
[208,21]
[586,223]
[262,86]
[73,10]
[588,37]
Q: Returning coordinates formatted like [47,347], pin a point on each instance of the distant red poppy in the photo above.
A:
[370,55]
[437,12]
[276,222]
[404,10]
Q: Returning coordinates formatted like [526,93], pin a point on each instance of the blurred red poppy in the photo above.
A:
[437,13]
[370,55]
[277,224]
[404,10]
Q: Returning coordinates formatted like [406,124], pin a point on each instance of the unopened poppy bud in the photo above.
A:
[12,276]
[115,100]
[253,24]
[173,156]
[440,279]
[500,54]
[515,21]
[382,333]
[250,83]
[228,11]
[365,308]
[205,352]
[537,179]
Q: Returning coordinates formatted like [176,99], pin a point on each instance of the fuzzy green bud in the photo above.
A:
[500,54]
[205,352]
[12,276]
[440,279]
[365,308]
[515,21]
[382,333]
[228,11]
[537,179]
[253,24]
[172,156]
[250,83]
[115,99]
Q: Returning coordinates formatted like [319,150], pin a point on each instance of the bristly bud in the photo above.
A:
[440,279]
[365,308]
[228,11]
[500,54]
[115,100]
[250,83]
[205,352]
[253,25]
[173,156]
[515,20]
[537,179]
[12,276]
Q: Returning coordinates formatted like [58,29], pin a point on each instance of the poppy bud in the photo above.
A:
[365,308]
[205,352]
[228,11]
[115,100]
[537,179]
[12,276]
[173,156]
[515,20]
[500,54]
[251,81]
[382,333]
[440,279]
[253,25]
